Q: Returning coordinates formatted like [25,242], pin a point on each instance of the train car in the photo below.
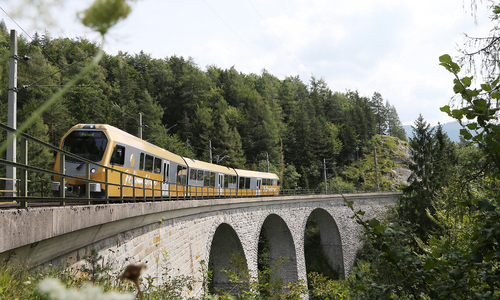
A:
[207,179]
[135,168]
[253,183]
[144,167]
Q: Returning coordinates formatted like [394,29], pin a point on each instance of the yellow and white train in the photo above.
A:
[137,168]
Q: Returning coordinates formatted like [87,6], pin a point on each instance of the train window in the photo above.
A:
[247,183]
[206,178]
[148,164]
[242,183]
[200,174]
[141,166]
[157,167]
[166,172]
[181,175]
[226,181]
[87,144]
[212,179]
[192,174]
[118,156]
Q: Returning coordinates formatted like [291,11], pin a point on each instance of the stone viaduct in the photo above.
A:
[179,234]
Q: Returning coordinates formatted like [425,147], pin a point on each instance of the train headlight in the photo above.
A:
[93,170]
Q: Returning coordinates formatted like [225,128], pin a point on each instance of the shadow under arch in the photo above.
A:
[330,240]
[225,243]
[281,246]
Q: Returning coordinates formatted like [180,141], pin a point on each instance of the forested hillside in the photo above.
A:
[184,106]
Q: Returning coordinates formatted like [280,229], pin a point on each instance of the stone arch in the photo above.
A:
[331,241]
[281,245]
[225,242]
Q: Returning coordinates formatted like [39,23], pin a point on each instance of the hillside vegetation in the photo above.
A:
[245,116]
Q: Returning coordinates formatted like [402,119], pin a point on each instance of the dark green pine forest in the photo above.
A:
[245,116]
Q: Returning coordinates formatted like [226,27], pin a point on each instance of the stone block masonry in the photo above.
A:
[191,231]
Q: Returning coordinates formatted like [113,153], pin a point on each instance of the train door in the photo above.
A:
[166,172]
[221,184]
[259,184]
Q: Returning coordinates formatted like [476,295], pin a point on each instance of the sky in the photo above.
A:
[387,46]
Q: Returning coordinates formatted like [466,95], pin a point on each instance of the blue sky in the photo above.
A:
[386,46]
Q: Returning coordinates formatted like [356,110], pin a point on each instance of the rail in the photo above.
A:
[147,191]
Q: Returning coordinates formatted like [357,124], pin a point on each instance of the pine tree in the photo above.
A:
[418,194]
[394,126]
[377,103]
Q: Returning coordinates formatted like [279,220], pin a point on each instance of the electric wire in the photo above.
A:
[33,84]
[41,48]
[14,21]
[276,36]
[248,46]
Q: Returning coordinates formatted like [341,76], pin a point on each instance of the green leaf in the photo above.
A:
[472,126]
[485,205]
[477,257]
[446,109]
[374,223]
[465,134]
[429,264]
[467,81]
[495,95]
[436,253]
[380,228]
[480,103]
[445,59]
[458,87]
[486,87]
[456,273]
[457,114]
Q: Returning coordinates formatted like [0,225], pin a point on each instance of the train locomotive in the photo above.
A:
[125,166]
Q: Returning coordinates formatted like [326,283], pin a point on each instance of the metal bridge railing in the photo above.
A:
[296,192]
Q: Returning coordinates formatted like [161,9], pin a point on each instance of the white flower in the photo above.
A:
[56,290]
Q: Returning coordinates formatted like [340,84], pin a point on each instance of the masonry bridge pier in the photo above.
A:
[190,231]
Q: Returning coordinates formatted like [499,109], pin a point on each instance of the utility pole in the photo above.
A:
[357,156]
[376,168]
[140,126]
[12,115]
[210,151]
[324,172]
[267,159]
[282,158]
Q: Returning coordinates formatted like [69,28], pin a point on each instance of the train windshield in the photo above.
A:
[87,144]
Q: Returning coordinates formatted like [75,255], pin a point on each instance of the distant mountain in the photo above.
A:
[452,129]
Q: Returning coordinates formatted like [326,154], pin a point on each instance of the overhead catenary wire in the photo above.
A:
[41,48]
[33,84]
[235,33]
[276,36]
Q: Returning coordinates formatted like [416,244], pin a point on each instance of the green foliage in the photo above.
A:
[458,257]
[322,288]
[104,14]
[433,165]
[268,286]
[95,267]
[316,260]
[391,154]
